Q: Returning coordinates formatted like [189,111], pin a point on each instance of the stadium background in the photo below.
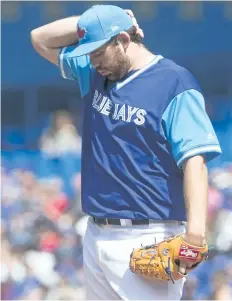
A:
[41,221]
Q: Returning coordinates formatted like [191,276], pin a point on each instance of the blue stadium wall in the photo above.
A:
[196,35]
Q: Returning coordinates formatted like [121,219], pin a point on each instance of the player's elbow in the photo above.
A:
[41,48]
[36,40]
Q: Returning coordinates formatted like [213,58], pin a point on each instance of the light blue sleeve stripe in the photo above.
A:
[76,68]
[85,72]
[188,128]
[61,62]
[199,150]
[66,69]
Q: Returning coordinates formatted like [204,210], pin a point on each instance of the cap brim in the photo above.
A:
[87,48]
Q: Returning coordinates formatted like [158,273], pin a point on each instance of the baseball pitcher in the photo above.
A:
[146,141]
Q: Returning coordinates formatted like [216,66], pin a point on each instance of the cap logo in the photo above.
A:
[81,31]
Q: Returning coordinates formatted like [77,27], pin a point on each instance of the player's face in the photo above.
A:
[111,61]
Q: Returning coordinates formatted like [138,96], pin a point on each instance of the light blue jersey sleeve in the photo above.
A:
[188,128]
[76,68]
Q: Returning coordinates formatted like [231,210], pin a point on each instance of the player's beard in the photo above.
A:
[119,66]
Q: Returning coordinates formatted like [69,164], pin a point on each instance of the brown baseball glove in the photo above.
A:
[161,261]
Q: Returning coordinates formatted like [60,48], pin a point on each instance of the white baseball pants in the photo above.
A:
[107,252]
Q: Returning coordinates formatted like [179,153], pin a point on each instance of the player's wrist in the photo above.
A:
[193,238]
[196,231]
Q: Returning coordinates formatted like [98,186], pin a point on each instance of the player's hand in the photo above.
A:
[195,240]
[139,30]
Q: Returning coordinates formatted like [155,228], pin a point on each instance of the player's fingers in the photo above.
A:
[129,12]
[182,268]
[140,32]
[188,266]
[138,29]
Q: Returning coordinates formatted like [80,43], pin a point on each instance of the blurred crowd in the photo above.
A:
[41,237]
[42,225]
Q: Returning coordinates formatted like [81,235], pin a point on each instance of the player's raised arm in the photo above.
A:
[47,40]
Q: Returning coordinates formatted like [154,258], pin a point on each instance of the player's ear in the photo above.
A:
[124,39]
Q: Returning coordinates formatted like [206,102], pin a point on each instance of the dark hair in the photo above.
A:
[135,37]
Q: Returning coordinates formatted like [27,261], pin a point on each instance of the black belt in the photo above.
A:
[133,222]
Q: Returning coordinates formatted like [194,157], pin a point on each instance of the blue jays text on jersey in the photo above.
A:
[118,111]
[136,136]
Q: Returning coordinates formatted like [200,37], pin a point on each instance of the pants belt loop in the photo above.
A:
[123,222]
[129,222]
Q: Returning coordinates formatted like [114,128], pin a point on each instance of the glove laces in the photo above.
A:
[168,271]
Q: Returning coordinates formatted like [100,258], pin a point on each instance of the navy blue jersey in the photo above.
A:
[136,136]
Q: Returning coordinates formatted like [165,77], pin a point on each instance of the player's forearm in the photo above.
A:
[56,34]
[196,198]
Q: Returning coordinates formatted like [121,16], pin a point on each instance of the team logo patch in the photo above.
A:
[165,251]
[188,253]
[81,31]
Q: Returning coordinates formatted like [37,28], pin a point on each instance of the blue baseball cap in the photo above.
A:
[98,25]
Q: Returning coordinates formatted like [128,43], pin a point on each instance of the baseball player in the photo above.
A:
[146,141]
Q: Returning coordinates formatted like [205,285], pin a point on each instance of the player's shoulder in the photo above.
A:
[178,76]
